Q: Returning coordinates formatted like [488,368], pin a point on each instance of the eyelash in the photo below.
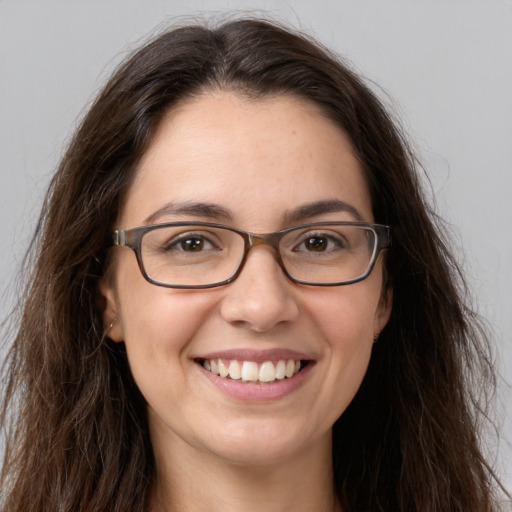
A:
[329,238]
[184,237]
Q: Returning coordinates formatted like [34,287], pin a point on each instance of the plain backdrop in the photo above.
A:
[443,66]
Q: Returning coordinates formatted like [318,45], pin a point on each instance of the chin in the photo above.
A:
[264,443]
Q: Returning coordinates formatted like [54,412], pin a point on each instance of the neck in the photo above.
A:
[192,482]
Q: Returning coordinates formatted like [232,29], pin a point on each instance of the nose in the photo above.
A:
[262,296]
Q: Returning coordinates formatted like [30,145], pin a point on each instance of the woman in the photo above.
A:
[240,299]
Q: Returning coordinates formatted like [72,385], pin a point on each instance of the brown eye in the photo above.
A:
[192,244]
[320,243]
[316,243]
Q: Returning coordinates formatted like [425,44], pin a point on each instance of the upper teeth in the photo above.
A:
[250,371]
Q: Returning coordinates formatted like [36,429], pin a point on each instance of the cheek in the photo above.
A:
[160,326]
[158,322]
[346,315]
[345,319]
[350,338]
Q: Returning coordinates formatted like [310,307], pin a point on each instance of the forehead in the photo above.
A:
[256,158]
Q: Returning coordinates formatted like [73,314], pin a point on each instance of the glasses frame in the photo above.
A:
[132,238]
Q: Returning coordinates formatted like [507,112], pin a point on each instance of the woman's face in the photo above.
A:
[257,164]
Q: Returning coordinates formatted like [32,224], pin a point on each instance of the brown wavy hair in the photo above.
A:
[74,420]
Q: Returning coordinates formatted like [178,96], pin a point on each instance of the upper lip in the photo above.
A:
[258,356]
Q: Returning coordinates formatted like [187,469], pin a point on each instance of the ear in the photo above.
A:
[383,311]
[108,303]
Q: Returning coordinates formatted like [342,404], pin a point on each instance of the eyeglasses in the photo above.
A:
[205,255]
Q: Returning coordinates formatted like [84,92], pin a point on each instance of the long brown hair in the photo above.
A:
[78,438]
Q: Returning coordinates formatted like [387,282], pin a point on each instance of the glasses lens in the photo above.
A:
[191,255]
[328,254]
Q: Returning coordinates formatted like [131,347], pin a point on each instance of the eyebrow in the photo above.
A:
[309,210]
[216,212]
[195,209]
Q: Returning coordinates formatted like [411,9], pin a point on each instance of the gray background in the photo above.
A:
[445,68]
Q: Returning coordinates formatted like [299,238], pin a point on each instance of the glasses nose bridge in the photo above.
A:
[270,239]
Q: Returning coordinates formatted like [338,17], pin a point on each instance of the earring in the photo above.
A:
[110,325]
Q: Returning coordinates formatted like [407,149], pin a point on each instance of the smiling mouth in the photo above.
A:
[253,372]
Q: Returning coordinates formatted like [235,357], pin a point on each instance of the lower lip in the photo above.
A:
[252,392]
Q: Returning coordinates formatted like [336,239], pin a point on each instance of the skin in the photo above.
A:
[259,159]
